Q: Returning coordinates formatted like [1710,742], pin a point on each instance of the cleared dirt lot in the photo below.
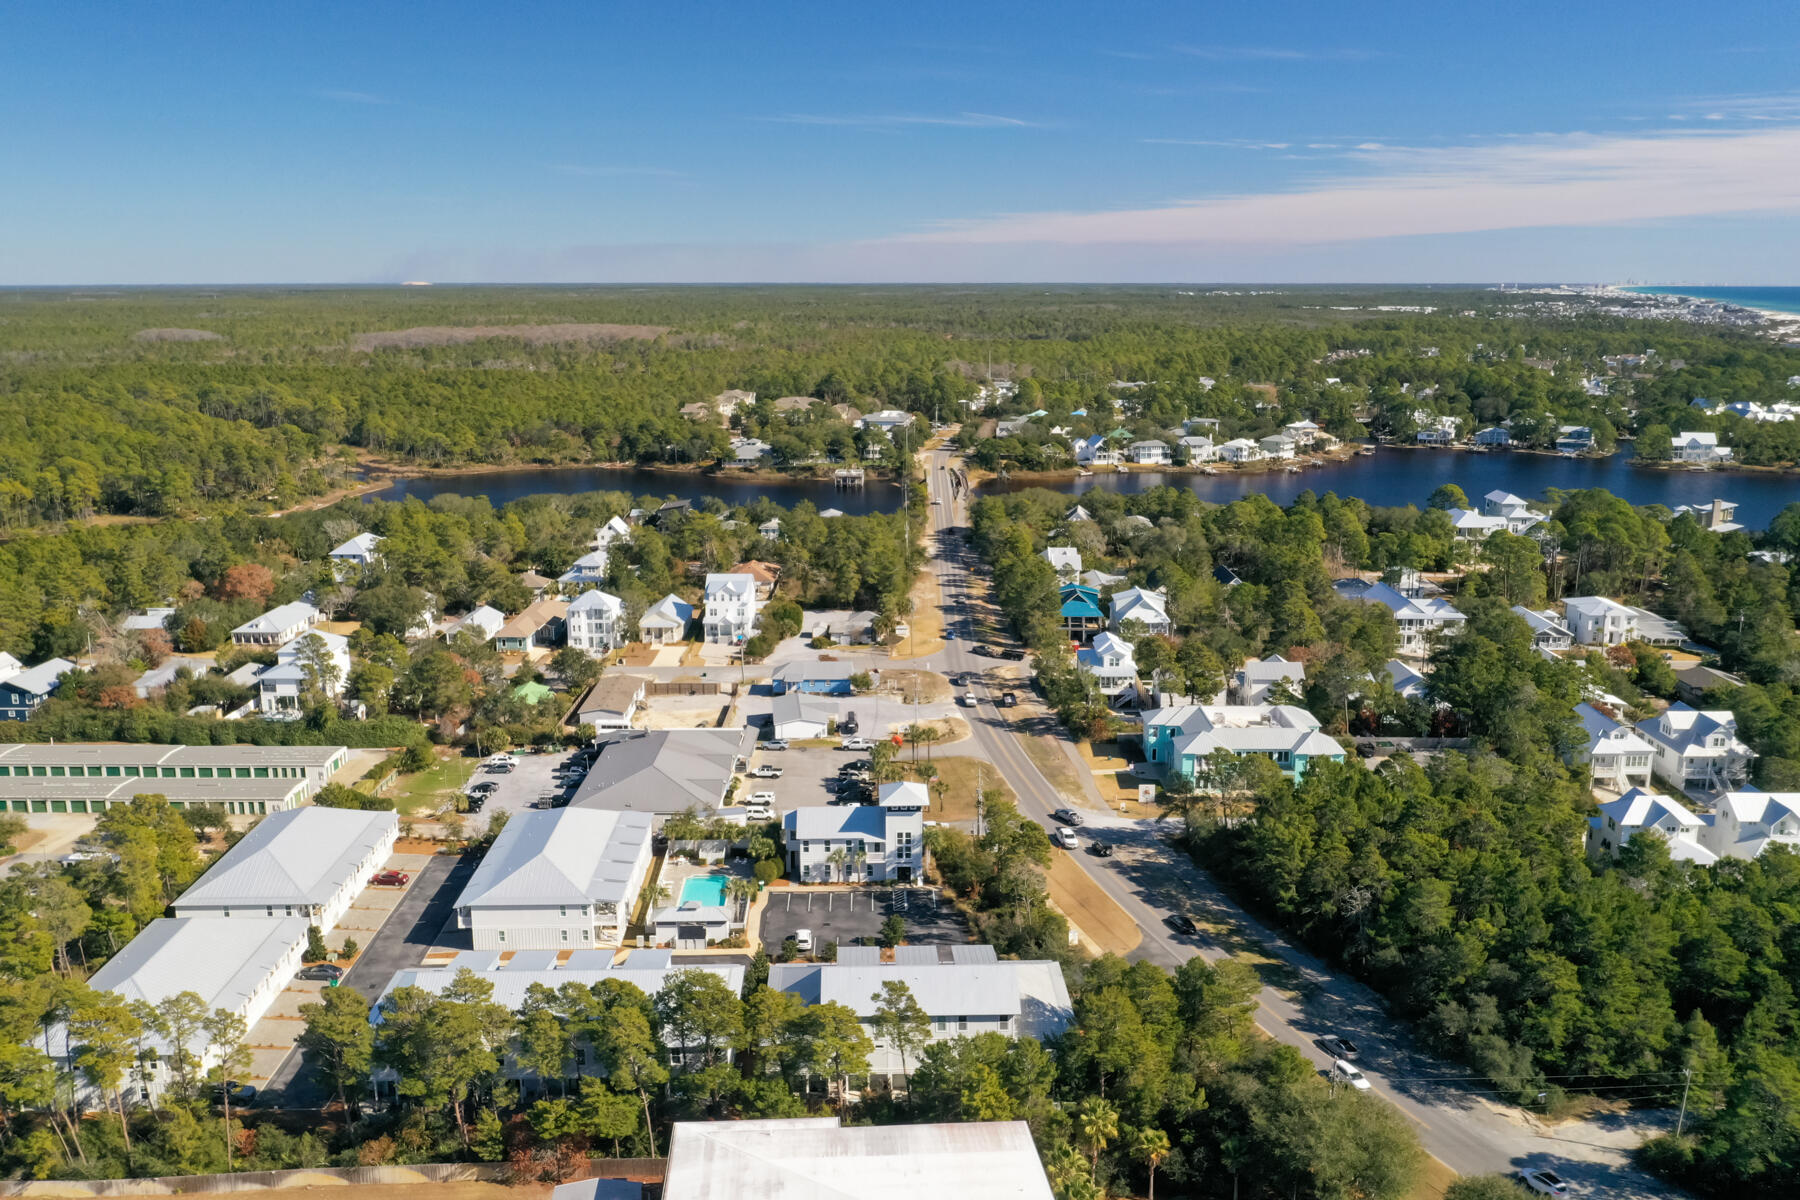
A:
[1098,916]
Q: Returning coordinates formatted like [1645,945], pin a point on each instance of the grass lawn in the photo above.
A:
[426,791]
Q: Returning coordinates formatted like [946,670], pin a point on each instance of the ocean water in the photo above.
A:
[1776,299]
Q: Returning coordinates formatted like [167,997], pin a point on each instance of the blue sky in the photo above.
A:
[918,141]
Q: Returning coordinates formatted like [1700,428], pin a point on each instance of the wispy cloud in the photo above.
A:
[608,172]
[349,97]
[1572,180]
[965,120]
[1762,106]
[1274,53]
[1227,143]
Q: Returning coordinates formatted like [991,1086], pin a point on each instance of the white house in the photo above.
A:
[888,420]
[587,571]
[730,400]
[1198,449]
[770,529]
[595,621]
[877,842]
[1516,512]
[1239,450]
[964,995]
[1618,757]
[359,552]
[795,716]
[1094,452]
[1642,811]
[1701,448]
[1109,661]
[1150,453]
[1149,607]
[1744,824]
[307,862]
[665,621]
[1277,445]
[1065,561]
[1436,431]
[614,531]
[1303,433]
[482,624]
[149,619]
[611,702]
[282,688]
[1718,516]
[1419,617]
[1598,621]
[1257,677]
[748,452]
[731,607]
[559,879]
[238,965]
[1467,525]
[1698,749]
[1547,630]
[278,625]
[1407,682]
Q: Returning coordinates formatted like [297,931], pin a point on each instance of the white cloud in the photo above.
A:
[1567,180]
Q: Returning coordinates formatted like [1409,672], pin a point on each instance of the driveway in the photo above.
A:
[425,906]
[844,915]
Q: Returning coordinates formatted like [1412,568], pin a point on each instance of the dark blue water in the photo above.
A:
[501,487]
[1391,478]
[1778,299]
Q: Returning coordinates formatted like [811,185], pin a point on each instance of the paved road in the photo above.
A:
[1151,881]
[410,930]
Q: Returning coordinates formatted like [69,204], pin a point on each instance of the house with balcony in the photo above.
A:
[1147,606]
[1698,749]
[540,626]
[1717,516]
[1436,431]
[1745,823]
[1618,757]
[1574,439]
[1277,445]
[1109,662]
[1598,621]
[863,843]
[1253,681]
[731,608]
[1080,611]
[1094,452]
[587,571]
[614,532]
[1240,450]
[277,626]
[1179,739]
[1303,432]
[1515,510]
[355,554]
[1419,618]
[1699,449]
[1150,453]
[1065,561]
[1467,525]
[595,622]
[1548,633]
[313,661]
[1199,449]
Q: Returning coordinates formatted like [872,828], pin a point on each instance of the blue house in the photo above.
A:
[22,691]
[813,678]
[1081,615]
[1493,435]
[1180,739]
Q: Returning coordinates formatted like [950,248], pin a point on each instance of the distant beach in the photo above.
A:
[1781,304]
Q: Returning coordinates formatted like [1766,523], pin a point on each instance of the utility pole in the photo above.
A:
[1687,1079]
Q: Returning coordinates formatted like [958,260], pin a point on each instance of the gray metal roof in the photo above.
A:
[973,954]
[836,821]
[220,960]
[942,989]
[813,1158]
[301,856]
[663,770]
[563,856]
[530,960]
[142,754]
[795,672]
[859,956]
[280,619]
[180,791]
[510,986]
[798,706]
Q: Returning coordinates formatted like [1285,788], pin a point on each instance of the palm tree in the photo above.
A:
[1233,1151]
[859,858]
[1151,1145]
[836,859]
[1097,1124]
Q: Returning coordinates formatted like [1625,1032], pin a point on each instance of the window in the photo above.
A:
[584,934]
[271,909]
[562,910]
[565,935]
[962,1024]
[503,935]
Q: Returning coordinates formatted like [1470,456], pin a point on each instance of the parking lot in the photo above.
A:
[515,790]
[877,713]
[804,771]
[845,915]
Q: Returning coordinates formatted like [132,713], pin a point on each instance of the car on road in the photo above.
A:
[765,772]
[949,635]
[1103,849]
[1346,1073]
[968,699]
[1067,816]
[390,879]
[803,940]
[1543,1182]
[321,973]
[1339,1047]
[856,743]
[1182,923]
[775,744]
[982,651]
[1065,837]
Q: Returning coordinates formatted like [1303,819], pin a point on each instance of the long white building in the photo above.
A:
[307,862]
[558,880]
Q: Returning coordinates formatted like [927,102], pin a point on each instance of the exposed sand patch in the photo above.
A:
[177,335]
[536,335]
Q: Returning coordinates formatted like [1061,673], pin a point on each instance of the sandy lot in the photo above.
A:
[1104,926]
[535,335]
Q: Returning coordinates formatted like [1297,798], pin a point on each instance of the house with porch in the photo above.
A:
[1150,453]
[1080,611]
[1065,561]
[1147,606]
[355,554]
[588,571]
[1420,618]
[1514,510]
[1641,811]
[277,626]
[1618,757]
[23,690]
[1547,630]
[537,627]
[731,608]
[1699,449]
[1698,749]
[666,621]
[1109,662]
[864,843]
[1178,739]
[595,622]
[1094,452]
[1239,450]
[1277,445]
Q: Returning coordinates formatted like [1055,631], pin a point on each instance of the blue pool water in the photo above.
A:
[703,889]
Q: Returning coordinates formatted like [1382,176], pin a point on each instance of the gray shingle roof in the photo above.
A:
[663,770]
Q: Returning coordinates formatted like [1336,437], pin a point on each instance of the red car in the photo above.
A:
[391,879]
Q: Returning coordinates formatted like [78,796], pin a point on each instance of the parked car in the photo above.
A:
[765,772]
[758,812]
[390,879]
[763,798]
[775,744]
[856,743]
[1008,699]
[1339,1047]
[495,760]
[1346,1073]
[1065,837]
[1067,816]
[486,787]
[1013,655]
[1182,923]
[1543,1182]
[1103,849]
[501,768]
[848,724]
[321,973]
[239,1093]
[803,940]
[476,803]
[982,651]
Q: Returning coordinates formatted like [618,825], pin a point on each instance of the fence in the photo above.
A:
[641,1169]
[683,687]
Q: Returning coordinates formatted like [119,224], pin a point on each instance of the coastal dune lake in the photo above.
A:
[1387,478]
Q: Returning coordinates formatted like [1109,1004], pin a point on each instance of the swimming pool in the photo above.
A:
[703,889]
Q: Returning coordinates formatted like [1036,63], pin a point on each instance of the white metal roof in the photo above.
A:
[281,619]
[510,987]
[562,856]
[1032,990]
[301,856]
[813,1158]
[221,961]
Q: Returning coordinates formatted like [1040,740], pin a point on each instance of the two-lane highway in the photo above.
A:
[1455,1117]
